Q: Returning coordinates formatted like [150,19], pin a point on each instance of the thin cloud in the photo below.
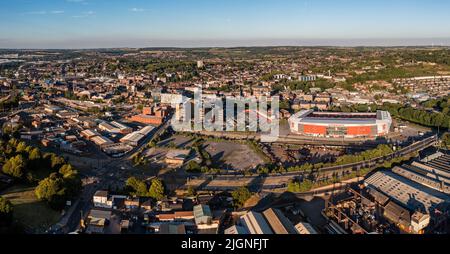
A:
[85,14]
[83,2]
[137,9]
[44,12]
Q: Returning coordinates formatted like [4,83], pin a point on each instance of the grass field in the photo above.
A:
[29,212]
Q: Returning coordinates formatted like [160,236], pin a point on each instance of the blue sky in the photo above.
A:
[190,23]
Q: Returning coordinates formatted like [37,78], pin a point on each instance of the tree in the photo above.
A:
[157,189]
[446,140]
[35,155]
[139,188]
[15,166]
[240,196]
[296,186]
[6,211]
[21,147]
[193,167]
[67,171]
[52,190]
[71,179]
[56,161]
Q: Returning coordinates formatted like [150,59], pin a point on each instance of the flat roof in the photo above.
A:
[101,193]
[100,214]
[412,195]
[178,154]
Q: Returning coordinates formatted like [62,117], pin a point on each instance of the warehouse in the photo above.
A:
[132,139]
[89,134]
[410,194]
[146,130]
[122,127]
[104,126]
[278,222]
[102,141]
[256,224]
[339,124]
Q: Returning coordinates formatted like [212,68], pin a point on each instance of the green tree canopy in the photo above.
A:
[157,189]
[240,196]
[139,188]
[15,166]
[52,190]
[6,211]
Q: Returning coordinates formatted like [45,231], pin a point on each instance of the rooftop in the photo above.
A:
[410,194]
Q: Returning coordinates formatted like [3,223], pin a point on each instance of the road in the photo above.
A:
[71,221]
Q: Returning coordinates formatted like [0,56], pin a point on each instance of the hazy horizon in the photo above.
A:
[86,24]
[110,44]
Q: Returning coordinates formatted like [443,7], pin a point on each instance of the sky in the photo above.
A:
[222,23]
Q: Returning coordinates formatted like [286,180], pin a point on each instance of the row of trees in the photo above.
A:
[380,151]
[310,182]
[139,188]
[419,116]
[27,163]
[57,181]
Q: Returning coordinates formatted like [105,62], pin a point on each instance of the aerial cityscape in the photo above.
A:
[230,134]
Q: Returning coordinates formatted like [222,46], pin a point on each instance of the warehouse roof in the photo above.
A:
[412,195]
[255,223]
[278,222]
[133,137]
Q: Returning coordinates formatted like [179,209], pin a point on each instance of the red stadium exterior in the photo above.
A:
[348,125]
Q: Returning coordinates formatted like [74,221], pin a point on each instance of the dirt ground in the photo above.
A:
[233,156]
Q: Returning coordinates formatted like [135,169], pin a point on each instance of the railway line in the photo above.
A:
[257,182]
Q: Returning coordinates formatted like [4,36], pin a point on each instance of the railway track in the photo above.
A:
[415,147]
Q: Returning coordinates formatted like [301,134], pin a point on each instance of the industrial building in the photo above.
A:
[176,157]
[202,214]
[256,224]
[134,138]
[271,221]
[102,141]
[123,128]
[413,203]
[348,125]
[278,222]
[410,194]
[104,126]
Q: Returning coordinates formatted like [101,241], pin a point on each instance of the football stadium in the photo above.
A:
[339,124]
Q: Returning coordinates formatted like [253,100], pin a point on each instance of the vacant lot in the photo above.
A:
[233,156]
[177,141]
[31,213]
